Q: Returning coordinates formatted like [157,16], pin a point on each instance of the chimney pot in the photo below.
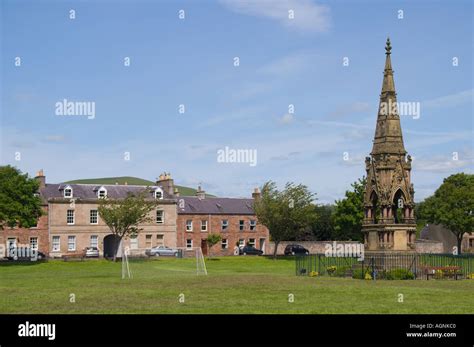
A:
[256,193]
[41,178]
[166,182]
[201,194]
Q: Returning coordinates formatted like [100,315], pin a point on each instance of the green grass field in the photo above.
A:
[233,285]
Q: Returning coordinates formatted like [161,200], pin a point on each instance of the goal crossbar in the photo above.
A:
[177,252]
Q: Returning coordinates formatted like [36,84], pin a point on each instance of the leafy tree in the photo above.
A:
[19,204]
[212,239]
[285,213]
[452,206]
[420,216]
[323,228]
[349,213]
[123,216]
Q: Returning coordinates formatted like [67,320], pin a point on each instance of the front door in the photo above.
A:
[111,244]
[204,246]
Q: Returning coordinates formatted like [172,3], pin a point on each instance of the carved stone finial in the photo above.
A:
[388,47]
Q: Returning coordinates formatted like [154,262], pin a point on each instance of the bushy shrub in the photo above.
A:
[331,270]
[313,274]
[358,274]
[399,274]
[341,271]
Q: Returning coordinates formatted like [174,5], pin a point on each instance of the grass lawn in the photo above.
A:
[233,285]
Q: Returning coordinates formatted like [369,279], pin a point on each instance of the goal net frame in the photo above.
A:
[181,252]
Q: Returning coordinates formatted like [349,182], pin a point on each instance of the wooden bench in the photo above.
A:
[73,257]
[447,271]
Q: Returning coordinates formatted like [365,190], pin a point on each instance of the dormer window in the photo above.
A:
[102,193]
[158,193]
[68,192]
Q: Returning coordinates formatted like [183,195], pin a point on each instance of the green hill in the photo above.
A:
[183,191]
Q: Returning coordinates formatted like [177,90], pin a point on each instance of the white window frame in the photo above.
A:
[253,227]
[54,244]
[226,224]
[134,242]
[241,225]
[189,227]
[160,192]
[96,237]
[68,216]
[73,238]
[162,221]
[189,246]
[204,223]
[68,188]
[225,243]
[102,189]
[31,246]
[241,242]
[254,243]
[96,217]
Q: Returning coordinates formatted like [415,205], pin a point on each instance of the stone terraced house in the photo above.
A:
[71,221]
[232,218]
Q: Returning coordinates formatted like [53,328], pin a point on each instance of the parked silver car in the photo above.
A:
[162,251]
[92,252]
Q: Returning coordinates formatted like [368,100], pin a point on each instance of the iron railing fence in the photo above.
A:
[379,264]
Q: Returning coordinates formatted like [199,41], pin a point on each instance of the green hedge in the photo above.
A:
[399,274]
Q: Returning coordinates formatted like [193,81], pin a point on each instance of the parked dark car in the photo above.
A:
[295,249]
[250,250]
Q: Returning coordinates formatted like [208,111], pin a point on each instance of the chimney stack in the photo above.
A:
[176,192]
[41,178]
[256,194]
[201,194]
[166,182]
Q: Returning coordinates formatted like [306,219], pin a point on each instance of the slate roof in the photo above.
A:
[193,205]
[89,191]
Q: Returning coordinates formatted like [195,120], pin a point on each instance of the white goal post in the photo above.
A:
[175,252]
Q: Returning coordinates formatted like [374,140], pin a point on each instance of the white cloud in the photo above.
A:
[308,16]
[450,100]
[343,110]
[340,124]
[247,114]
[441,164]
[287,118]
[288,65]
[54,138]
[422,139]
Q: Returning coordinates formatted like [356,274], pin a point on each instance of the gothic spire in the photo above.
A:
[388,85]
[388,133]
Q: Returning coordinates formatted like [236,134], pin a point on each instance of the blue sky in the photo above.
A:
[282,61]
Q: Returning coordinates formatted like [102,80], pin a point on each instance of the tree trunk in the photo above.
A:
[459,238]
[276,249]
[116,246]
